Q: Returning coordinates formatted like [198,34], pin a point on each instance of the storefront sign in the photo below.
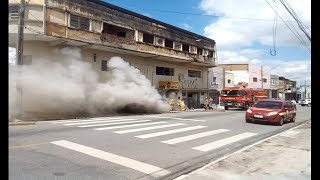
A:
[168,84]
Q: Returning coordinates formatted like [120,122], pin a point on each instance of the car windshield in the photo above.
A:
[234,93]
[268,104]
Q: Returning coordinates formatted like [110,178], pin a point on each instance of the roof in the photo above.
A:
[147,18]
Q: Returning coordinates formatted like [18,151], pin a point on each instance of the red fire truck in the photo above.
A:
[239,97]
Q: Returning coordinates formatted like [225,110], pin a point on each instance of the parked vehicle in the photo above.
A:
[305,102]
[238,97]
[272,111]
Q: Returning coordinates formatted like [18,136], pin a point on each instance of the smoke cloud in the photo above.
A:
[65,85]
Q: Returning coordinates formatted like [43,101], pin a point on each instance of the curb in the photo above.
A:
[19,122]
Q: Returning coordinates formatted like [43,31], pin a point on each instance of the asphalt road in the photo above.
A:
[157,146]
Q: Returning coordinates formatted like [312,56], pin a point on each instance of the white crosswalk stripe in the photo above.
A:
[145,136]
[194,136]
[94,122]
[115,123]
[132,125]
[148,128]
[81,120]
[223,142]
[177,118]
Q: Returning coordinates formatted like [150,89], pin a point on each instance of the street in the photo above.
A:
[155,146]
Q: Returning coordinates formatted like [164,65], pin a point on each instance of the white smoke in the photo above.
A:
[66,85]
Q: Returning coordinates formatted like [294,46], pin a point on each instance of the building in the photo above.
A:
[287,89]
[173,59]
[248,75]
[216,80]
[274,85]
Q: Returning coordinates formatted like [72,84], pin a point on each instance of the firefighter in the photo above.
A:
[181,104]
[171,102]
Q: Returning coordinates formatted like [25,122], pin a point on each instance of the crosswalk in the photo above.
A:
[140,128]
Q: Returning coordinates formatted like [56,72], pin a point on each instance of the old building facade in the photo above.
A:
[173,59]
[249,75]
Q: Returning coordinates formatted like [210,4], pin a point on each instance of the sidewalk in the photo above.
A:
[285,156]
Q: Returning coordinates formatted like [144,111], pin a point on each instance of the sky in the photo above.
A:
[260,32]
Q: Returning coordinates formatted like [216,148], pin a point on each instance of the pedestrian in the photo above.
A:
[210,103]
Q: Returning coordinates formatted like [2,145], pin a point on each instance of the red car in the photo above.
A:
[273,111]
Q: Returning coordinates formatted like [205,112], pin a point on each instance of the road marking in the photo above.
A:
[133,125]
[107,124]
[223,142]
[163,117]
[27,145]
[94,122]
[194,136]
[83,120]
[148,128]
[145,136]
[120,160]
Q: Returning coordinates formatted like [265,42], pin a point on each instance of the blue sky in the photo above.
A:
[243,30]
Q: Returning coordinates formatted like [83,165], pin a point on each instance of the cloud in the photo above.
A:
[231,33]
[246,56]
[186,26]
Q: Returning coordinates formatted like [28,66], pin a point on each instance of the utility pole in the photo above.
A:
[19,54]
[305,89]
[19,49]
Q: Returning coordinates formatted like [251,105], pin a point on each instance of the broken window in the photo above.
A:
[192,73]
[117,31]
[164,71]
[168,43]
[199,51]
[148,38]
[210,53]
[185,47]
[79,22]
[255,79]
[264,80]
[14,12]
[104,65]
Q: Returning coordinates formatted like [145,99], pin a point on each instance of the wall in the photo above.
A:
[230,76]
[255,71]
[218,73]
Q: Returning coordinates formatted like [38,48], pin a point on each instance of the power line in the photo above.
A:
[196,14]
[301,41]
[299,22]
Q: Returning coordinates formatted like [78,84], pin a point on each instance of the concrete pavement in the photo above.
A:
[284,156]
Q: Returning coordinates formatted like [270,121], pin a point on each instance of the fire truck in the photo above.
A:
[240,97]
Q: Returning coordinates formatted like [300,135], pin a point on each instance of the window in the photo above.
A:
[255,79]
[274,82]
[199,51]
[117,31]
[79,22]
[185,47]
[210,53]
[168,43]
[148,38]
[104,65]
[229,81]
[192,73]
[264,80]
[164,71]
[214,79]
[13,12]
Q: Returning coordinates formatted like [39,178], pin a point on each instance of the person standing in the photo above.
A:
[206,103]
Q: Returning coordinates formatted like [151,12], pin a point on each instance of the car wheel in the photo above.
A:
[226,108]
[293,118]
[280,123]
